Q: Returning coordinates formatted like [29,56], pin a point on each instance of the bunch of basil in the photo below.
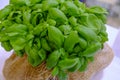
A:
[64,33]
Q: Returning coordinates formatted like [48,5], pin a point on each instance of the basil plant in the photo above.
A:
[63,33]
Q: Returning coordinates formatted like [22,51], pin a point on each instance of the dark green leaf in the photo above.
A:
[34,57]
[7,46]
[5,12]
[55,71]
[55,36]
[76,67]
[53,59]
[71,8]
[18,43]
[45,44]
[57,15]
[42,54]
[67,63]
[62,75]
[66,29]
[92,49]
[98,10]
[86,32]
[71,40]
[20,2]
[84,66]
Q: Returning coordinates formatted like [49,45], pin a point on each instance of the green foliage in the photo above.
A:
[64,33]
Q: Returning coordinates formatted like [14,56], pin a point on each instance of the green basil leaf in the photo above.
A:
[49,3]
[42,54]
[73,21]
[19,53]
[34,57]
[57,15]
[51,22]
[35,1]
[55,71]
[76,67]
[82,43]
[66,29]
[92,21]
[84,66]
[98,10]
[27,16]
[62,75]
[55,36]
[7,46]
[40,28]
[5,12]
[67,63]
[37,43]
[18,43]
[92,49]
[71,40]
[86,33]
[71,8]
[45,44]
[20,2]
[53,59]
[64,54]
[16,29]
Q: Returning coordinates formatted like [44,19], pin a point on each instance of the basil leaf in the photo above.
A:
[76,67]
[67,63]
[7,46]
[98,10]
[86,33]
[62,75]
[55,36]
[20,2]
[5,12]
[57,15]
[16,29]
[83,66]
[42,54]
[18,43]
[71,40]
[71,8]
[66,29]
[34,57]
[55,71]
[53,59]
[92,49]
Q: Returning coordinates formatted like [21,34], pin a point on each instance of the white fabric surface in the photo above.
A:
[112,34]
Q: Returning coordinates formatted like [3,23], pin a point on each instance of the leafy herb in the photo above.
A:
[64,33]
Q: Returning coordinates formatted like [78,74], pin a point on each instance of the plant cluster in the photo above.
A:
[64,33]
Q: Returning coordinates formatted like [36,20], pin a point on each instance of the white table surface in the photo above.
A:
[112,72]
